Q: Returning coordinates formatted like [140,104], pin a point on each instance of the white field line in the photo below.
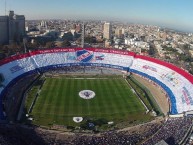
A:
[147,110]
[88,78]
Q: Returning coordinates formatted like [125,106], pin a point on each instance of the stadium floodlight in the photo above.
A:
[82,35]
[24,43]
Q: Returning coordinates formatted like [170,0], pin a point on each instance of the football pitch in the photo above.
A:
[59,101]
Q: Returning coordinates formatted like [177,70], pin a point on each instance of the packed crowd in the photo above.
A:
[113,138]
[64,69]
[82,70]
[172,131]
[17,135]
[23,135]
[13,97]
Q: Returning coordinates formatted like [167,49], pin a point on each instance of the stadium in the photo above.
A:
[74,87]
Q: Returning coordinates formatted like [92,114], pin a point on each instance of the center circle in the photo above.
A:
[87,94]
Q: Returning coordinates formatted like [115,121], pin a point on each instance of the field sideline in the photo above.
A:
[59,101]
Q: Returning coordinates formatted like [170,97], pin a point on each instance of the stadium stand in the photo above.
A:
[177,83]
[172,131]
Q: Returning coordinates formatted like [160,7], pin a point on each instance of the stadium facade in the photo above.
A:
[177,83]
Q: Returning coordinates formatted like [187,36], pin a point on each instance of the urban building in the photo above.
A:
[118,32]
[107,30]
[78,28]
[43,24]
[12,28]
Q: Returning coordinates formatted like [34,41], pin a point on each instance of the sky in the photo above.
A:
[176,14]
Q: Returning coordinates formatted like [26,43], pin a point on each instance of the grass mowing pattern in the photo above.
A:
[30,98]
[59,101]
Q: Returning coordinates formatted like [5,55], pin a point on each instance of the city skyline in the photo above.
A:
[175,14]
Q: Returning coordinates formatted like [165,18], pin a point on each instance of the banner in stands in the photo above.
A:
[175,81]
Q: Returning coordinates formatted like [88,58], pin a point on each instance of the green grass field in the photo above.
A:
[59,101]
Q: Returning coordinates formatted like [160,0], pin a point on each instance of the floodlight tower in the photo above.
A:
[24,43]
[82,35]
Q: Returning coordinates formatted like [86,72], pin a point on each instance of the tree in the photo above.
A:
[90,39]
[50,44]
[131,35]
[186,58]
[151,51]
[66,43]
[186,46]
[68,36]
[33,46]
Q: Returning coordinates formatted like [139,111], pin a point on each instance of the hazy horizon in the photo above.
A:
[174,14]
